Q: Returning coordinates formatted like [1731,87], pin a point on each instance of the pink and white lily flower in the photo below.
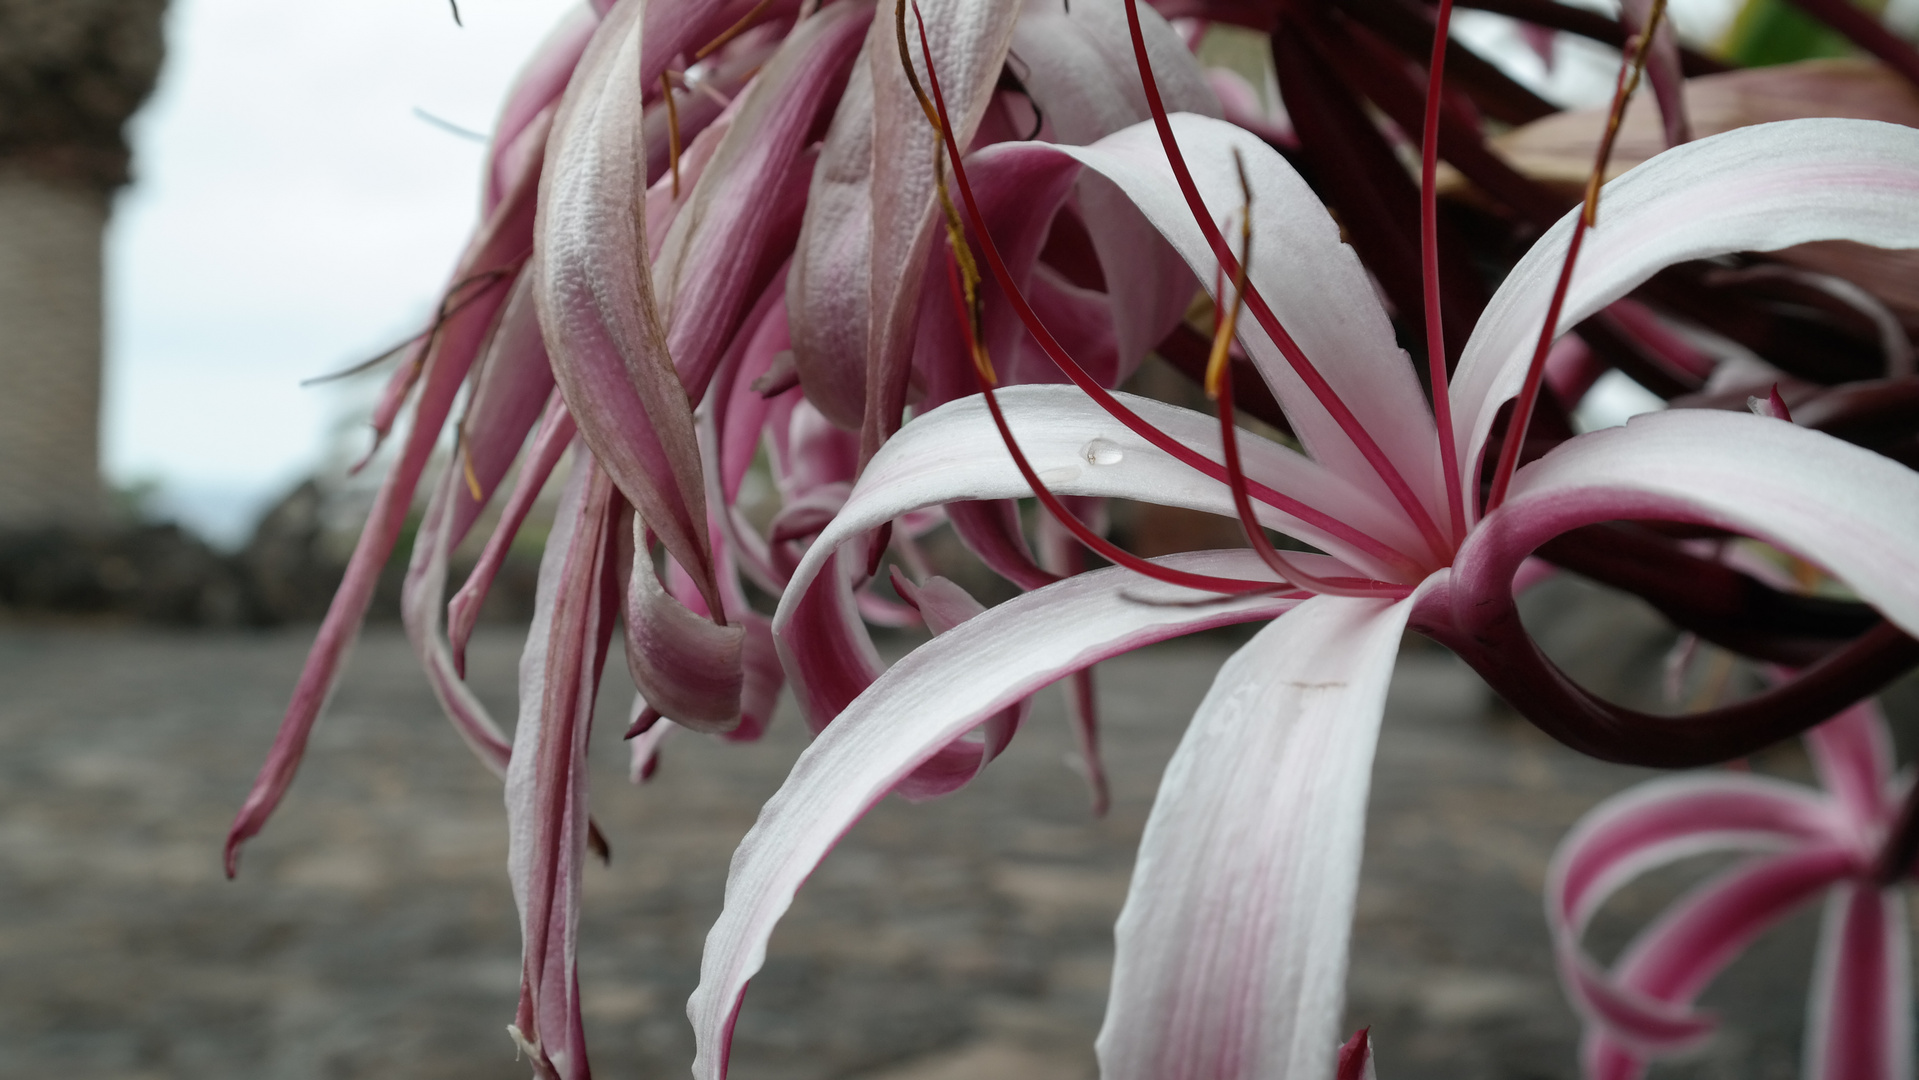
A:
[1805,844]
[1231,949]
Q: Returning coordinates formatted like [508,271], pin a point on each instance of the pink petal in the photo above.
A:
[1231,949]
[829,285]
[537,87]
[1853,753]
[924,702]
[968,40]
[550,442]
[1758,188]
[991,530]
[764,678]
[1019,188]
[731,236]
[687,666]
[1312,280]
[1859,1024]
[498,246]
[1642,1009]
[944,605]
[546,779]
[508,393]
[1079,69]
[826,650]
[1673,818]
[420,606]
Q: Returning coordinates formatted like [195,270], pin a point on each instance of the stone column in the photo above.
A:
[71,72]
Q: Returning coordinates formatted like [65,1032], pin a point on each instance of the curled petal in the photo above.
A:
[686,665]
[1643,1008]
[1759,188]
[931,697]
[547,826]
[555,434]
[536,88]
[448,355]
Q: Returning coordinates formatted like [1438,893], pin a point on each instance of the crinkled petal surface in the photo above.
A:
[596,301]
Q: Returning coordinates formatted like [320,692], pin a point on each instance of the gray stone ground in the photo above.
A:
[371,932]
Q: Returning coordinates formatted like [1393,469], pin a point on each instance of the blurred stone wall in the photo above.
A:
[71,73]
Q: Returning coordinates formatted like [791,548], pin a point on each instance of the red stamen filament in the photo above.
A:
[1219,386]
[1630,68]
[1256,303]
[1429,274]
[1084,381]
[1106,549]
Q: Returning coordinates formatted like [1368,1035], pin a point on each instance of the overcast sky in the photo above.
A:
[291,213]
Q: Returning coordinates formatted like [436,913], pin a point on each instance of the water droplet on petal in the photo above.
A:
[1063,474]
[1102,452]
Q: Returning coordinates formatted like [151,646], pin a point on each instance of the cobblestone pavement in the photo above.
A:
[371,933]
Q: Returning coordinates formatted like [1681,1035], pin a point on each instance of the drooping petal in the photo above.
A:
[1859,1016]
[546,779]
[1755,189]
[968,41]
[509,391]
[731,236]
[991,530]
[1313,282]
[829,285]
[944,605]
[922,703]
[490,258]
[550,442]
[420,608]
[826,650]
[596,299]
[1231,949]
[538,86]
